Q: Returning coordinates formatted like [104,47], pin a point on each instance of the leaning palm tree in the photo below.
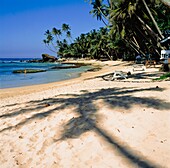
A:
[68,35]
[99,11]
[152,18]
[56,32]
[132,21]
[49,41]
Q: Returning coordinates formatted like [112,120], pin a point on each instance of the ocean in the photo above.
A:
[8,79]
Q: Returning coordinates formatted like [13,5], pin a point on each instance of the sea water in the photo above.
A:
[8,79]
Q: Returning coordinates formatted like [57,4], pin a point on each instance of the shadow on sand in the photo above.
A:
[87,112]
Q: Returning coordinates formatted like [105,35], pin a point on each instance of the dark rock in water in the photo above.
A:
[45,58]
[35,61]
[94,69]
[48,58]
[65,67]
[28,71]
[76,64]
[70,65]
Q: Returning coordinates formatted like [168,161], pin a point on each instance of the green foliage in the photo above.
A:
[59,36]
[130,29]
[163,77]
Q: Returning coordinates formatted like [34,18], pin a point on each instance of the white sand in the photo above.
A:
[87,122]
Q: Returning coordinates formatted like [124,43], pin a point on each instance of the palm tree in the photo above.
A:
[56,32]
[60,41]
[138,34]
[129,27]
[99,10]
[65,27]
[132,20]
[49,41]
[153,20]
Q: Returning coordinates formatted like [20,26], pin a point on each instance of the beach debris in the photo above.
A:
[17,162]
[21,137]
[94,69]
[118,130]
[129,73]
[163,141]
[47,104]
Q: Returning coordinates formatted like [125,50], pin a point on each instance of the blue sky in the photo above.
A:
[24,22]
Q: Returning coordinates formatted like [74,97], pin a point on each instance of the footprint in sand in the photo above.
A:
[34,138]
[45,145]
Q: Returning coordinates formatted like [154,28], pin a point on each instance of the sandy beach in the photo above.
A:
[88,122]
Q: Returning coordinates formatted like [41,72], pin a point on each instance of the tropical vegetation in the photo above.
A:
[129,27]
[163,77]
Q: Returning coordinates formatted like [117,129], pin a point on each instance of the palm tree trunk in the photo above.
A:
[136,41]
[107,54]
[134,46]
[50,48]
[102,14]
[104,22]
[150,31]
[153,20]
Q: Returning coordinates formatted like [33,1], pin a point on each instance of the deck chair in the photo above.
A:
[119,75]
[139,67]
[116,75]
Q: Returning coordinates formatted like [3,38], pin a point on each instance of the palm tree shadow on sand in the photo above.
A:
[87,120]
[72,130]
[87,115]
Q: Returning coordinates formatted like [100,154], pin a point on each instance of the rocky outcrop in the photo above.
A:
[28,71]
[45,58]
[48,58]
[35,61]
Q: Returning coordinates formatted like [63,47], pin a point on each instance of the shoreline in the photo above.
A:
[105,68]
[25,74]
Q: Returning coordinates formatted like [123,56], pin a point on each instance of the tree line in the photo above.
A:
[130,27]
